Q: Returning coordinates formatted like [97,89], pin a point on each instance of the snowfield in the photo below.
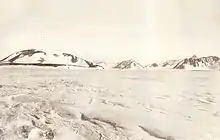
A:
[89,104]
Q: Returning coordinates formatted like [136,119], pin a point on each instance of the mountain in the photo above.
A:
[170,63]
[192,63]
[166,64]
[200,63]
[128,64]
[35,57]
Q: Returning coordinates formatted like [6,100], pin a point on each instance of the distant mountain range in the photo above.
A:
[192,63]
[33,57]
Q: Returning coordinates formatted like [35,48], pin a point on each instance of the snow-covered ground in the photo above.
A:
[89,104]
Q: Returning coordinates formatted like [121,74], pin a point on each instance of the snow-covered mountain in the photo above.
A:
[167,64]
[200,63]
[41,58]
[170,63]
[192,63]
[128,64]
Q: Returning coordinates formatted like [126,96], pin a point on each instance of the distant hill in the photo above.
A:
[41,58]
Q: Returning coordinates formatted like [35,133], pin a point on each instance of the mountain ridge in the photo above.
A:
[34,57]
[194,62]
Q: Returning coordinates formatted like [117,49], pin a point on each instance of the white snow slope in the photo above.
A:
[59,104]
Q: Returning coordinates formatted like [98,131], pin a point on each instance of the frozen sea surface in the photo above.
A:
[86,104]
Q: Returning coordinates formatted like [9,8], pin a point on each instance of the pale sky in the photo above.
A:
[145,30]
